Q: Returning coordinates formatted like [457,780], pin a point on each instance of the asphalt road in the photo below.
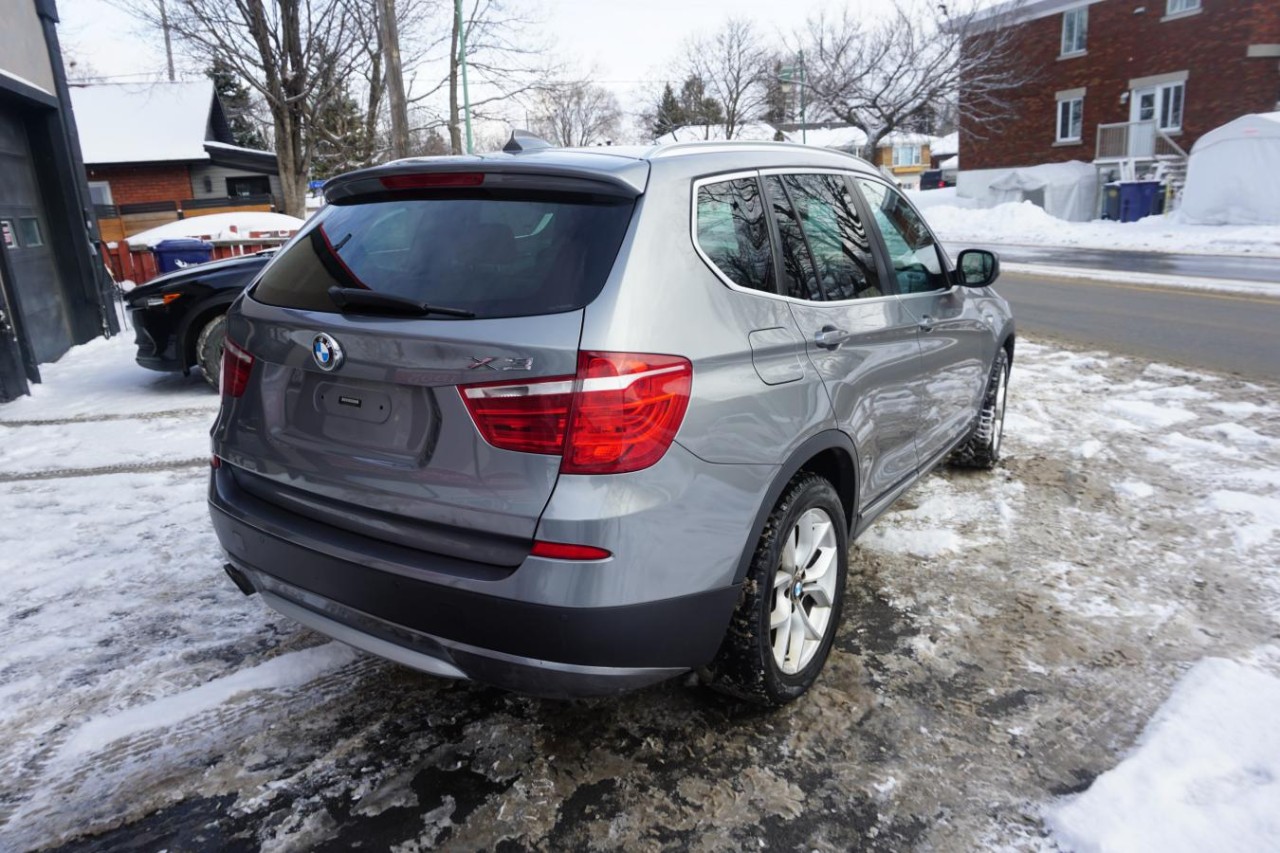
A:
[1221,331]
[1197,266]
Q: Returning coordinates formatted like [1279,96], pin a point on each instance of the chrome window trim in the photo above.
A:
[762,173]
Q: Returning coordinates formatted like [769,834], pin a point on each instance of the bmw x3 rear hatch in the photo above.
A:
[349,360]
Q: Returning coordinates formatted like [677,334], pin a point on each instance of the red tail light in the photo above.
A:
[236,364]
[565,551]
[619,414]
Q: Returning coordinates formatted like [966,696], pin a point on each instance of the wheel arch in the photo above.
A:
[189,334]
[830,454]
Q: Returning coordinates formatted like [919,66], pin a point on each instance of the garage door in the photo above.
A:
[24,228]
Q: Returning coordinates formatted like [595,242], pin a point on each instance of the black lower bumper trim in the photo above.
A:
[680,632]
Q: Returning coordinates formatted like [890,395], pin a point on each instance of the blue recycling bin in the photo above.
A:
[175,254]
[1139,199]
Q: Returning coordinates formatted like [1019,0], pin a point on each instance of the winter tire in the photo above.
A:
[789,611]
[209,349]
[982,448]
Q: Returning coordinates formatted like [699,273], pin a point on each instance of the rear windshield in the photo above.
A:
[495,256]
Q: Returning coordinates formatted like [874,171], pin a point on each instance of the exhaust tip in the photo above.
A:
[240,579]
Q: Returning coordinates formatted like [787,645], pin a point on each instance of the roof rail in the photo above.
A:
[523,140]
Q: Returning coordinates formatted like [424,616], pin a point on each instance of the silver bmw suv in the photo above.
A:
[571,422]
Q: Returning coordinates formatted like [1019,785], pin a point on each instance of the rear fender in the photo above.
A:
[819,453]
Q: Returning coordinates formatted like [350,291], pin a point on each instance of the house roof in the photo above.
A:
[150,122]
[750,132]
[943,146]
[844,138]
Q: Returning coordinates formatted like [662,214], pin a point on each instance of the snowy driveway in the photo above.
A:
[1007,638]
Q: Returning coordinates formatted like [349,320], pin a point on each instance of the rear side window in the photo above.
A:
[841,250]
[493,255]
[733,233]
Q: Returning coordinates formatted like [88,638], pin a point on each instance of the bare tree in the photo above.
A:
[577,113]
[731,64]
[879,74]
[300,56]
[504,61]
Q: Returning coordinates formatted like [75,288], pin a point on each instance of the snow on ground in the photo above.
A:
[1205,774]
[1007,637]
[959,220]
[237,225]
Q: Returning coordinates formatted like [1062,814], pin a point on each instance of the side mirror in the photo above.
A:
[978,267]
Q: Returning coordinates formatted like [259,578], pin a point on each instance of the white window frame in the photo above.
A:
[1181,7]
[105,186]
[1079,33]
[1058,115]
[1164,97]
[913,155]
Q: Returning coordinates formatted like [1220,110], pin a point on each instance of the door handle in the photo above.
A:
[926,323]
[830,337]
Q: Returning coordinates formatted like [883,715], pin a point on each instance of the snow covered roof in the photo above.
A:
[944,146]
[236,225]
[903,137]
[843,138]
[147,122]
[751,132]
[951,163]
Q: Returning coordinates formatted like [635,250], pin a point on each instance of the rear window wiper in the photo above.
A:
[358,301]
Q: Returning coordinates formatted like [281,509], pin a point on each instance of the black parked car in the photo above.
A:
[180,317]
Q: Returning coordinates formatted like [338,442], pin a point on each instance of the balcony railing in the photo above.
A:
[1142,140]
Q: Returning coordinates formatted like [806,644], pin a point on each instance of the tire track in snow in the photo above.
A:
[137,468]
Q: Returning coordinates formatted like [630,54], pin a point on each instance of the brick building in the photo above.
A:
[157,152]
[1128,85]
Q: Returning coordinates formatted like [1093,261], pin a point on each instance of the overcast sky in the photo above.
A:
[630,45]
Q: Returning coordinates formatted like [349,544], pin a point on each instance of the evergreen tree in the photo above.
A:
[777,104]
[237,105]
[696,105]
[669,115]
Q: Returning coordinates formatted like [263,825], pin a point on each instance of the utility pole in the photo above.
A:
[395,78]
[804,131]
[168,43]
[462,60]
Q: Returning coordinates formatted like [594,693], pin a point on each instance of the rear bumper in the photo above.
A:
[449,630]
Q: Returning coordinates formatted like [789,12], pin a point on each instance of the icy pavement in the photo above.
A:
[1008,637]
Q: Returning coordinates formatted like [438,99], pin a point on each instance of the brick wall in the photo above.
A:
[136,184]
[1123,44]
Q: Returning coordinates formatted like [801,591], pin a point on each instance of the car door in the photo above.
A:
[858,337]
[956,345]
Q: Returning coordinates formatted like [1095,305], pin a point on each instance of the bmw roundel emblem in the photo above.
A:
[327,352]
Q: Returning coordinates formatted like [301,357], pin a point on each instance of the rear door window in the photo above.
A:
[799,280]
[733,233]
[842,255]
[490,254]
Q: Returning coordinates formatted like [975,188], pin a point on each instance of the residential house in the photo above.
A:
[157,152]
[54,291]
[1127,85]
[901,156]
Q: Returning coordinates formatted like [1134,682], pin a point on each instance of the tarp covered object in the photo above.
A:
[1233,176]
[1065,190]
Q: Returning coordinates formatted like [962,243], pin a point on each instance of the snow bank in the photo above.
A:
[1204,776]
[222,226]
[1026,224]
